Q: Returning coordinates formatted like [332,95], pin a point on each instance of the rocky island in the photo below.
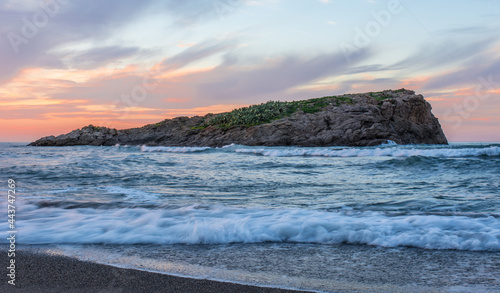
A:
[366,119]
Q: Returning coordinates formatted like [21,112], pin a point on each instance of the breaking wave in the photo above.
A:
[373,152]
[145,148]
[218,225]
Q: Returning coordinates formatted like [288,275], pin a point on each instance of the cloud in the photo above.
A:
[483,62]
[189,12]
[367,68]
[464,77]
[461,30]
[197,52]
[90,53]
[79,21]
[234,83]
[448,53]
[99,57]
[33,33]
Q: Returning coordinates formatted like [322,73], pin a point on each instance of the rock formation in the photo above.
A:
[348,120]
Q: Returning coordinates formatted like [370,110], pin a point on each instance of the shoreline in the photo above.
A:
[39,272]
[410,270]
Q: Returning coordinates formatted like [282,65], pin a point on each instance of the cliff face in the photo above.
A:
[360,120]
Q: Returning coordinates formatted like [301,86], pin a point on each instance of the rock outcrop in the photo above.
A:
[360,120]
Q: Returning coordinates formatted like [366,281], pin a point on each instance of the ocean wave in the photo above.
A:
[145,148]
[228,146]
[374,152]
[128,193]
[389,143]
[219,225]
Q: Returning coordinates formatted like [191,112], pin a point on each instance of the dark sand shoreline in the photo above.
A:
[367,270]
[38,272]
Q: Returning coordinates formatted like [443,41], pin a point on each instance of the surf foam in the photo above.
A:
[145,148]
[373,152]
[218,225]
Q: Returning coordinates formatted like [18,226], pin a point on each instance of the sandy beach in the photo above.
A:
[413,270]
[46,273]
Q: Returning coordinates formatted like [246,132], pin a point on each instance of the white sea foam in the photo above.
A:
[389,143]
[194,225]
[374,152]
[228,146]
[145,148]
[129,193]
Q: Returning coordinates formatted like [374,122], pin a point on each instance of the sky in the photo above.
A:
[125,63]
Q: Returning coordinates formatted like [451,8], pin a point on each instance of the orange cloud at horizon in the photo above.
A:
[31,105]
[41,102]
[27,130]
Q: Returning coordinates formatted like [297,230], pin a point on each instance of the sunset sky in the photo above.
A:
[123,63]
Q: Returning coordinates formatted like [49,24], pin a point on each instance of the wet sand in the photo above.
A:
[350,269]
[46,273]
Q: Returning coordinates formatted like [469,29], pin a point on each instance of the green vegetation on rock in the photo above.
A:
[94,128]
[274,110]
[267,112]
[380,96]
[251,115]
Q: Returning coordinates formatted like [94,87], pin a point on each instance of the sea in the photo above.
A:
[328,219]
